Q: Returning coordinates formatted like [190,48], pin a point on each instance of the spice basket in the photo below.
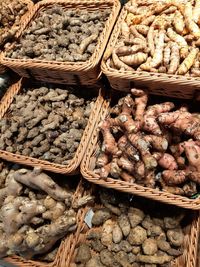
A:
[29,5]
[187,259]
[156,83]
[45,165]
[86,73]
[19,261]
[88,165]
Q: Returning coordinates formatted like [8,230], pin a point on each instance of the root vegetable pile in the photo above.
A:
[62,35]
[159,37]
[36,211]
[156,146]
[125,234]
[10,14]
[45,123]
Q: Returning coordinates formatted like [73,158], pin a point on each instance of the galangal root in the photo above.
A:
[161,37]
[46,123]
[154,146]
[35,211]
[134,236]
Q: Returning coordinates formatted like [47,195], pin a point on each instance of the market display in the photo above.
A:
[159,36]
[10,14]
[36,210]
[129,233]
[61,34]
[46,123]
[157,146]
[147,147]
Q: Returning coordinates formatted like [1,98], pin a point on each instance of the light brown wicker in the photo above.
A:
[86,73]
[157,83]
[88,165]
[187,259]
[65,244]
[45,165]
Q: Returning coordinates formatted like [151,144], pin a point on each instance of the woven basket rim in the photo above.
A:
[65,242]
[44,164]
[93,61]
[108,71]
[120,185]
[190,249]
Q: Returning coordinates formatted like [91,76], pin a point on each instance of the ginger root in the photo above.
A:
[35,212]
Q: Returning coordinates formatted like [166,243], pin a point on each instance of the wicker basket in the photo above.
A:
[156,83]
[187,259]
[88,165]
[86,73]
[29,4]
[65,244]
[45,165]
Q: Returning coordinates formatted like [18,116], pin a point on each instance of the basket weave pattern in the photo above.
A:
[45,165]
[88,165]
[86,73]
[157,83]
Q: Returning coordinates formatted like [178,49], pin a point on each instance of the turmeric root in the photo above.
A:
[196,11]
[148,21]
[188,61]
[150,40]
[190,23]
[143,29]
[179,40]
[178,22]
[119,64]
[136,33]
[135,59]
[175,58]
[166,56]
[125,30]
[125,51]
[158,55]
